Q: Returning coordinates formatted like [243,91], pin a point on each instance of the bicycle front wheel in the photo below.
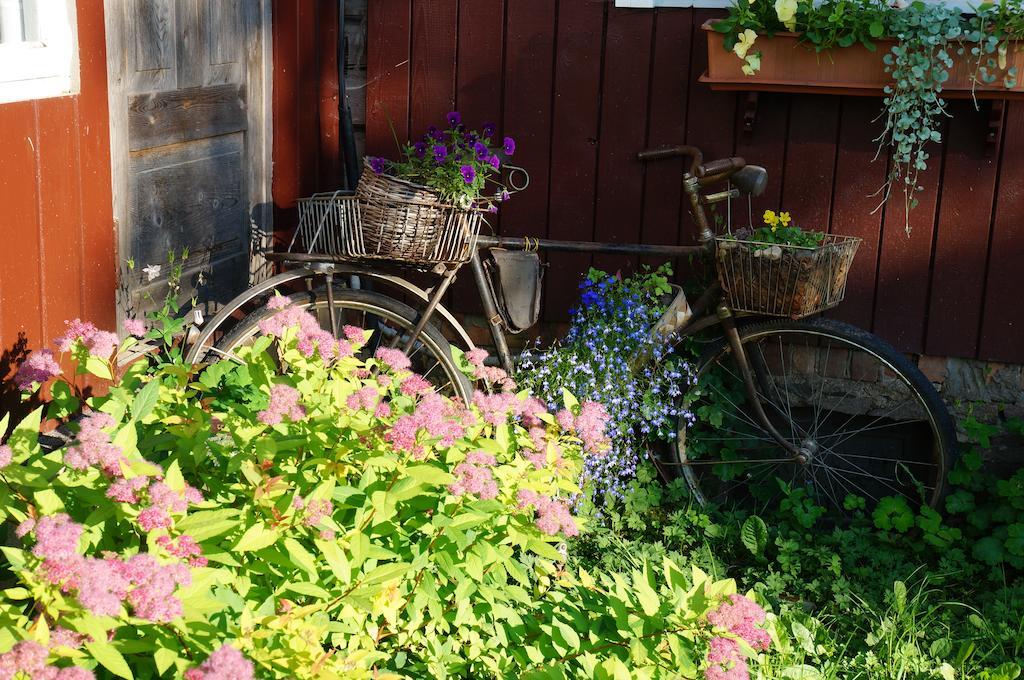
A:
[390,323]
[868,423]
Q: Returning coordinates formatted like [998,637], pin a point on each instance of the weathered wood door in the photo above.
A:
[190,142]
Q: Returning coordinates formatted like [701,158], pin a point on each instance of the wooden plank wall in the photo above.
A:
[57,261]
[583,85]
[305,98]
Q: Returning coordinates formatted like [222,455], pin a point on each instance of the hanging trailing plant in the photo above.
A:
[919,65]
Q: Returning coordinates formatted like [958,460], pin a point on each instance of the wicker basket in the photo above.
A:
[412,232]
[386,187]
[780,280]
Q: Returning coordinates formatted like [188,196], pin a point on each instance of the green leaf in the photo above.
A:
[754,534]
[111,659]
[145,400]
[164,658]
[257,537]
[207,524]
[989,550]
[429,474]
[24,440]
[301,557]
[876,29]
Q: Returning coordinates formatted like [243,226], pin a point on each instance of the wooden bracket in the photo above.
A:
[994,132]
[749,114]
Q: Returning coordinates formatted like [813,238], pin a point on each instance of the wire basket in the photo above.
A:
[782,280]
[409,231]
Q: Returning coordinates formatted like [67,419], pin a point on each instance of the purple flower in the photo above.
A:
[481,150]
[494,161]
[510,146]
[420,148]
[505,195]
[470,137]
[490,129]
[468,173]
[454,119]
[377,164]
[492,208]
[440,153]
[434,133]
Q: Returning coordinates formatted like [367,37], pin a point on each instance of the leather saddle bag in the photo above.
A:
[515,278]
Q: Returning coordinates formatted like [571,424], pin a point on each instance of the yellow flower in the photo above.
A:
[753,64]
[770,218]
[785,219]
[786,11]
[744,43]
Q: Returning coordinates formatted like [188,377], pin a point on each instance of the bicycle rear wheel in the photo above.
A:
[391,322]
[868,422]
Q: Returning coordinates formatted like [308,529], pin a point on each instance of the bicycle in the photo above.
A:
[813,403]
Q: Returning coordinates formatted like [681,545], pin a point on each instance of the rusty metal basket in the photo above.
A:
[783,280]
[408,231]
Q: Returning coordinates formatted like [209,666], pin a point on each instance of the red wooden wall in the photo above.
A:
[57,257]
[583,86]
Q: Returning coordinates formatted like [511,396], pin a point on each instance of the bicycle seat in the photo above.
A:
[751,180]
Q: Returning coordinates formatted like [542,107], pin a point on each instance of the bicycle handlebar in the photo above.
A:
[698,168]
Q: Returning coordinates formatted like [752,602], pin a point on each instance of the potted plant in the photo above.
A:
[928,52]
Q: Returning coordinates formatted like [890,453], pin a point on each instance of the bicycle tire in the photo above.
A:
[372,305]
[936,431]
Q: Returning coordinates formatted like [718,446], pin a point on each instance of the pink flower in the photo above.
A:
[726,661]
[135,327]
[566,420]
[354,334]
[591,426]
[310,338]
[6,454]
[26,657]
[153,598]
[497,407]
[94,448]
[75,330]
[101,343]
[473,476]
[227,663]
[315,511]
[185,547]
[415,385]
[476,356]
[25,528]
[740,616]
[101,586]
[531,410]
[153,518]
[39,367]
[57,537]
[365,398]
[63,637]
[395,358]
[126,490]
[382,411]
[284,401]
[553,514]
[441,419]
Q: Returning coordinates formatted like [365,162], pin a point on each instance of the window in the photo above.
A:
[38,50]
[649,4]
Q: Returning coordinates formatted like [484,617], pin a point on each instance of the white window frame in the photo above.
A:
[47,66]
[651,4]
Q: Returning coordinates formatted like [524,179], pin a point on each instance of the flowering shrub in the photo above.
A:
[456,162]
[611,326]
[309,517]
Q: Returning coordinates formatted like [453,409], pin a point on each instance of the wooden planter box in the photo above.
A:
[790,66]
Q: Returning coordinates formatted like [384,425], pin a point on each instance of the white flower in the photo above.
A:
[197,316]
[152,271]
[752,64]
